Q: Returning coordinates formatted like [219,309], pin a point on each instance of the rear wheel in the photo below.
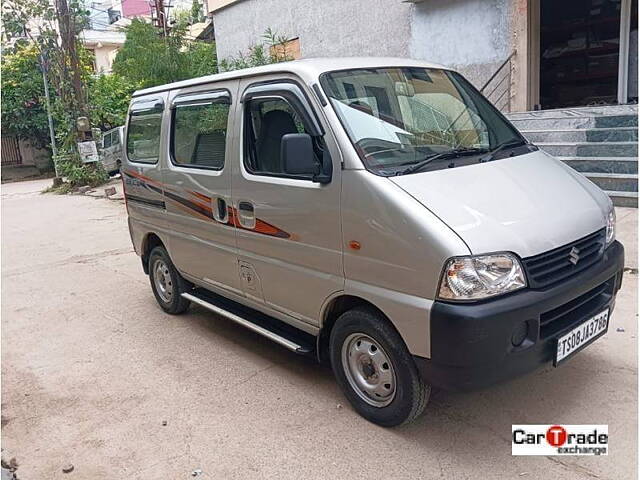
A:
[117,170]
[375,370]
[166,282]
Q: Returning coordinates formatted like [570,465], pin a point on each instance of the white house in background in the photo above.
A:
[104,36]
[104,45]
[106,18]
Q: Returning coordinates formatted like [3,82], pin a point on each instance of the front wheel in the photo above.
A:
[166,282]
[375,370]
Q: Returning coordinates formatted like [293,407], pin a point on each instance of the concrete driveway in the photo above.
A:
[95,375]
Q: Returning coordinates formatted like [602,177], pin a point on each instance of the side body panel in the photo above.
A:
[203,241]
[291,259]
[403,248]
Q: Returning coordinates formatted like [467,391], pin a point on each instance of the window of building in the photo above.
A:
[199,134]
[143,137]
[267,121]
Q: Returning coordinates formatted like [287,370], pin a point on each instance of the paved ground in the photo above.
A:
[91,368]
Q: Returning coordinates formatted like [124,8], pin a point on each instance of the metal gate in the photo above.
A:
[10,153]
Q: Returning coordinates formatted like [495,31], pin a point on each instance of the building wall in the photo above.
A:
[105,56]
[472,36]
[325,28]
[133,8]
[212,5]
[36,156]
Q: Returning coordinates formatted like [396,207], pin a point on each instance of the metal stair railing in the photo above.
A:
[497,89]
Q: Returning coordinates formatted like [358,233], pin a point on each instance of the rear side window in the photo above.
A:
[199,134]
[143,137]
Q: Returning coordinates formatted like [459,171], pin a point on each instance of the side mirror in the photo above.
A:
[298,158]
[296,150]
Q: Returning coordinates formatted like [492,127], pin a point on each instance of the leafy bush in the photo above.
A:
[109,97]
[147,59]
[78,174]
[271,50]
[23,106]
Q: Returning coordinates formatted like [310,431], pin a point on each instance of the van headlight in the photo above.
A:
[611,225]
[481,276]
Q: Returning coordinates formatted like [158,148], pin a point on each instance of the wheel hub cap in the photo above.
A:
[368,369]
[162,280]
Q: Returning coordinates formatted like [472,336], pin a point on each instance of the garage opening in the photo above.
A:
[580,51]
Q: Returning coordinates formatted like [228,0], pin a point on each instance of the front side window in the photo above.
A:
[199,135]
[106,140]
[267,121]
[143,137]
[398,117]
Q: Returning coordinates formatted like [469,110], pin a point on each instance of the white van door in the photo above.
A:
[197,177]
[288,225]
[107,151]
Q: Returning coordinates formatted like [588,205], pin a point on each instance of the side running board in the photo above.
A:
[289,337]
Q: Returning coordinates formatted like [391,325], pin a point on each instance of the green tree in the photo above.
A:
[196,11]
[23,107]
[201,59]
[147,59]
[109,97]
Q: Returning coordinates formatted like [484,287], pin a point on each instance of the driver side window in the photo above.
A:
[267,120]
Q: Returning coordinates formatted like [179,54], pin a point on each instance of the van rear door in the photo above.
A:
[289,237]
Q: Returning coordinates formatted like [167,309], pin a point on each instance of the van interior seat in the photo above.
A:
[275,125]
[209,149]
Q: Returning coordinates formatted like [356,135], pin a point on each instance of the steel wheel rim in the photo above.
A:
[162,280]
[369,370]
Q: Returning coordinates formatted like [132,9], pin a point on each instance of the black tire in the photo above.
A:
[411,393]
[172,303]
[117,170]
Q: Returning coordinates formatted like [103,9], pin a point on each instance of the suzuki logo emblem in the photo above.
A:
[574,255]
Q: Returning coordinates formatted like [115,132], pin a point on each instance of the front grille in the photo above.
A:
[578,309]
[555,265]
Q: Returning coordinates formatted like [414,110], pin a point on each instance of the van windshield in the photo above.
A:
[398,117]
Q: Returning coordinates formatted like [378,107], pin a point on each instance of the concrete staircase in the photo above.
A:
[599,142]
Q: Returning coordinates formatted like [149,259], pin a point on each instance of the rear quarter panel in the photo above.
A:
[143,190]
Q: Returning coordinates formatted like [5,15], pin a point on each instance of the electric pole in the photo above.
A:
[160,16]
[52,135]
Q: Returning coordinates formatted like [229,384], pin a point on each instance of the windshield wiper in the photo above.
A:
[502,146]
[455,153]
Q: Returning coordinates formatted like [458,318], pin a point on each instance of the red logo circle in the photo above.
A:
[556,436]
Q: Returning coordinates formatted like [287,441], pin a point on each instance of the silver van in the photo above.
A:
[111,149]
[379,215]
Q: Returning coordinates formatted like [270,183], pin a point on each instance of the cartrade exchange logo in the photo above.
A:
[560,440]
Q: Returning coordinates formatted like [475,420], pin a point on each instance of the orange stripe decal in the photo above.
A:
[201,208]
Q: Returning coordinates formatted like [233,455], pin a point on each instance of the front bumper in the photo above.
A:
[472,344]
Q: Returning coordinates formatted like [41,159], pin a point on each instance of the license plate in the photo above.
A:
[581,335]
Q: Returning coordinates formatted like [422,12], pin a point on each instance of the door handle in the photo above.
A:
[221,211]
[246,214]
[245,207]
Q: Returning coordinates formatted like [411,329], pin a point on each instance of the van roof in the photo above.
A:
[307,69]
